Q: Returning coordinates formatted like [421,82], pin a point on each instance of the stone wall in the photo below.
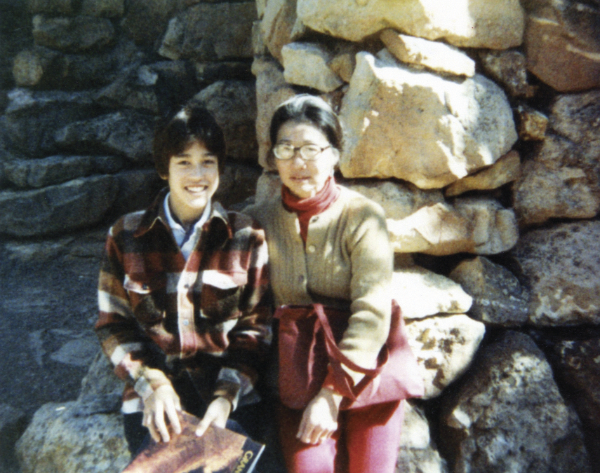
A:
[475,124]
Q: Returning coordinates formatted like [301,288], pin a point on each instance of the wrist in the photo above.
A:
[331,395]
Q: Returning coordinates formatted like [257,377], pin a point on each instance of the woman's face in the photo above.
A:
[305,178]
[193,179]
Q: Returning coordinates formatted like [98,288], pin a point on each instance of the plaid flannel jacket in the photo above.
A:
[162,316]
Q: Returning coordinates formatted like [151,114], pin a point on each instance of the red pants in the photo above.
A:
[367,441]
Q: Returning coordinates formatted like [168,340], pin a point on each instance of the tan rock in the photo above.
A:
[433,55]
[464,23]
[532,124]
[343,65]
[506,169]
[280,25]
[558,58]
[444,348]
[422,293]
[306,64]
[420,127]
[271,90]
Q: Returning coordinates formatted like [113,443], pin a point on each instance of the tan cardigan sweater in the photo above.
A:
[347,256]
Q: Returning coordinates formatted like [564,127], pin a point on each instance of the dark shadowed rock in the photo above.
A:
[125,133]
[137,190]
[57,209]
[233,104]
[80,33]
[58,169]
[103,8]
[146,20]
[12,425]
[508,415]
[498,297]
[510,69]
[66,7]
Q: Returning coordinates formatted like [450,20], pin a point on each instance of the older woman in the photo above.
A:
[330,245]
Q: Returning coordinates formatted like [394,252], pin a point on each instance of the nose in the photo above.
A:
[197,171]
[297,159]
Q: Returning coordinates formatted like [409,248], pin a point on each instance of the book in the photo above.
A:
[217,451]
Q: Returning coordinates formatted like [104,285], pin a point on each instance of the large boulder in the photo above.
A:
[421,127]
[508,415]
[469,23]
[77,34]
[444,347]
[211,32]
[57,209]
[279,25]
[560,265]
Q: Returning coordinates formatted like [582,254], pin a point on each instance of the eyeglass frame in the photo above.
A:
[299,148]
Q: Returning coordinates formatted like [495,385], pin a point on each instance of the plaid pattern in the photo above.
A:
[162,316]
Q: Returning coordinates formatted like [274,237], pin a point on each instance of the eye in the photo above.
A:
[210,161]
[311,149]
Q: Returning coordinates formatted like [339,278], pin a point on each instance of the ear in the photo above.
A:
[336,154]
[164,177]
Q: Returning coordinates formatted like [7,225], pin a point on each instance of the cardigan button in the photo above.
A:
[312,248]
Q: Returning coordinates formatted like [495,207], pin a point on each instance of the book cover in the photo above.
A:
[217,451]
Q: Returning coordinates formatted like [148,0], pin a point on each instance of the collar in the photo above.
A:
[155,216]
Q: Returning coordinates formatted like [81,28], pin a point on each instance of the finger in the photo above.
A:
[152,430]
[173,417]
[161,426]
[202,426]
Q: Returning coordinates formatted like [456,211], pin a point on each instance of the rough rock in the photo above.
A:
[237,183]
[233,104]
[560,265]
[209,72]
[477,225]
[12,426]
[279,25]
[124,133]
[343,64]
[418,452]
[66,7]
[532,124]
[437,56]
[508,415]
[306,64]
[77,34]
[498,296]
[444,348]
[506,169]
[59,439]
[421,127]
[43,68]
[145,21]
[137,190]
[510,69]
[218,31]
[57,209]
[559,52]
[421,293]
[471,23]
[103,8]
[271,90]
[32,118]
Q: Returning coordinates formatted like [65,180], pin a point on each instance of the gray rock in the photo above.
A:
[560,265]
[498,297]
[221,31]
[510,69]
[280,25]
[208,72]
[66,7]
[59,439]
[57,209]
[12,426]
[508,415]
[58,169]
[32,118]
[233,104]
[146,20]
[237,182]
[124,133]
[137,190]
[103,8]
[532,124]
[77,34]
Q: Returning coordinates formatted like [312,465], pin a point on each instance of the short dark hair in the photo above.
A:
[305,108]
[192,123]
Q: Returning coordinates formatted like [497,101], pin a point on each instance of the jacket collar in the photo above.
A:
[155,216]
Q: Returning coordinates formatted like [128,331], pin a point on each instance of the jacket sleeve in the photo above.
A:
[121,338]
[250,338]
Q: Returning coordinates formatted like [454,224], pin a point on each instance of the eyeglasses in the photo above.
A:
[285,152]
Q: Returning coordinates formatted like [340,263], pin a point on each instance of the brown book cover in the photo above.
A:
[217,451]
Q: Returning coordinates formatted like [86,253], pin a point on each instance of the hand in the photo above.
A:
[319,420]
[162,402]
[217,414]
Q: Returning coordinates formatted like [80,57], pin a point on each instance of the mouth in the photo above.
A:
[196,189]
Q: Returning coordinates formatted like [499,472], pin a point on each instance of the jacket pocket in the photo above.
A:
[147,297]
[221,293]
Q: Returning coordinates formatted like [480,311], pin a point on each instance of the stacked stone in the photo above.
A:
[475,125]
[76,127]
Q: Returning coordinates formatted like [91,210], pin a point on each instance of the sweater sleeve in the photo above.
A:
[120,336]
[371,257]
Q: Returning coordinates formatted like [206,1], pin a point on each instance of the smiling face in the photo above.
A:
[305,178]
[193,179]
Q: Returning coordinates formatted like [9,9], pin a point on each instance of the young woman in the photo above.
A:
[330,245]
[181,292]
